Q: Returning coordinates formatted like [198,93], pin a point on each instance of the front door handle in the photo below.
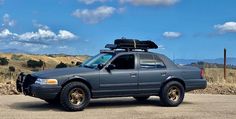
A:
[133,75]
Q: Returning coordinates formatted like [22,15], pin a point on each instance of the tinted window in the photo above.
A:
[159,62]
[147,61]
[124,62]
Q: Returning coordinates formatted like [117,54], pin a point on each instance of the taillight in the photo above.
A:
[202,73]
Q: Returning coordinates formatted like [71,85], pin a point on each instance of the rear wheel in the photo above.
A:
[141,98]
[75,96]
[172,94]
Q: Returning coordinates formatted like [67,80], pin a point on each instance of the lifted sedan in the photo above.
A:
[127,69]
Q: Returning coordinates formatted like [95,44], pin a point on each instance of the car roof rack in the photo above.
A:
[132,44]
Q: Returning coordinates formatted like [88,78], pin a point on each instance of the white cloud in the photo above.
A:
[39,41]
[6,33]
[226,27]
[43,35]
[40,34]
[63,47]
[150,2]
[95,15]
[7,21]
[63,34]
[172,35]
[46,34]
[91,1]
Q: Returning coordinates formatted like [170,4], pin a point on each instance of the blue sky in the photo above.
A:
[198,29]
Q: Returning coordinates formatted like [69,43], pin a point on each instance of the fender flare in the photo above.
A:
[76,78]
[173,78]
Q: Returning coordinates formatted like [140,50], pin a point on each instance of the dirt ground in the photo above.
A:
[195,106]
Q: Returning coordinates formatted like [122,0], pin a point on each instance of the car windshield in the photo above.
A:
[93,62]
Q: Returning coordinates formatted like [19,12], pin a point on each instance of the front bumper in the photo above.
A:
[44,91]
[193,84]
[26,85]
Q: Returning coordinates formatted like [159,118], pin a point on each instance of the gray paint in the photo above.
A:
[128,82]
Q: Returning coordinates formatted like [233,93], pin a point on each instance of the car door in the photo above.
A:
[152,71]
[123,79]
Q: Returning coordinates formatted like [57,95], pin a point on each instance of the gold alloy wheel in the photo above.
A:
[76,96]
[174,93]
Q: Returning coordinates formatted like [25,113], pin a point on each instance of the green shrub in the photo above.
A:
[61,65]
[3,61]
[78,63]
[34,63]
[12,69]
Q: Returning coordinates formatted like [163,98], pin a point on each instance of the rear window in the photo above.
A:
[148,61]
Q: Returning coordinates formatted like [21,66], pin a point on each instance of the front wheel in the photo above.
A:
[75,96]
[172,94]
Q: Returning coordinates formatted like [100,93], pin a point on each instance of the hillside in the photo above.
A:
[19,62]
[230,61]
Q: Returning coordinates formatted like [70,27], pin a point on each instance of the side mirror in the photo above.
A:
[110,67]
[100,66]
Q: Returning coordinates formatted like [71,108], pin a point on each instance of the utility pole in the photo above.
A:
[224,63]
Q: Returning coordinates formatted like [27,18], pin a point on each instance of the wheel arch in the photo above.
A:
[169,79]
[78,79]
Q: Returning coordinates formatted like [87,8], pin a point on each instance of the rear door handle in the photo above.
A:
[133,75]
[163,73]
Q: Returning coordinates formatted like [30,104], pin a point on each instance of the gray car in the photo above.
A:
[114,73]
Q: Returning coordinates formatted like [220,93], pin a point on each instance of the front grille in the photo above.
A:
[23,83]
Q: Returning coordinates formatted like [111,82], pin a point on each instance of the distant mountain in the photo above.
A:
[230,61]
[13,50]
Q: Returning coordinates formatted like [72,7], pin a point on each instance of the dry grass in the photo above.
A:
[216,75]
[19,62]
[216,82]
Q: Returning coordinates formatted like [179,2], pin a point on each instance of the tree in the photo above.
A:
[61,65]
[3,61]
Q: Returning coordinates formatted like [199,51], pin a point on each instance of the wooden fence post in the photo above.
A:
[224,63]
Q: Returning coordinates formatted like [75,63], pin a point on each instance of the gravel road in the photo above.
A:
[195,106]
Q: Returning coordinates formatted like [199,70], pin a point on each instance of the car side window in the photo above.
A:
[147,61]
[159,62]
[124,62]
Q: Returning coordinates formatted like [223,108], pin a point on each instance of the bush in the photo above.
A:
[12,69]
[34,63]
[78,63]
[61,65]
[3,61]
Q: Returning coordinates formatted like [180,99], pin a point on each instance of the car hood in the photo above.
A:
[53,73]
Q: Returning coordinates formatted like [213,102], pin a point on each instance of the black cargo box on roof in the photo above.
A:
[130,44]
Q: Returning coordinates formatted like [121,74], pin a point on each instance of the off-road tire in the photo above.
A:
[65,98]
[165,98]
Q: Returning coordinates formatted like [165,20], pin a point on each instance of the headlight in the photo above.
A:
[46,81]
